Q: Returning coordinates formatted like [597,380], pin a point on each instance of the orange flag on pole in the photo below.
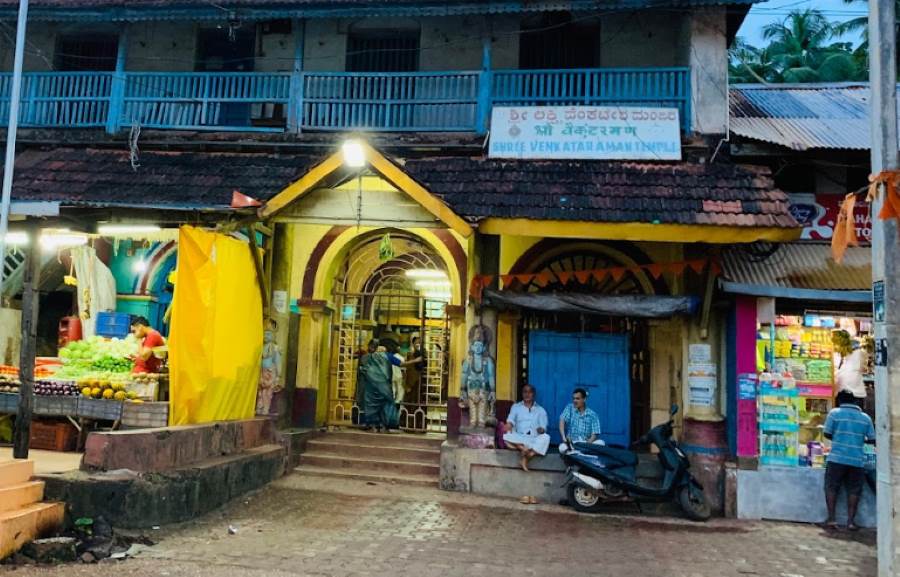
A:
[845,228]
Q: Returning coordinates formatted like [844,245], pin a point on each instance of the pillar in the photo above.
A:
[708,59]
[311,392]
[458,350]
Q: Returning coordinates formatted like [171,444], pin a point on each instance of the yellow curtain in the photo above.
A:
[215,341]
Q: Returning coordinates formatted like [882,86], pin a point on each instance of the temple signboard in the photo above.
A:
[585,133]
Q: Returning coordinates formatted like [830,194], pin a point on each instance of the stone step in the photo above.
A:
[16,472]
[402,440]
[18,496]
[332,461]
[27,524]
[368,476]
[374,451]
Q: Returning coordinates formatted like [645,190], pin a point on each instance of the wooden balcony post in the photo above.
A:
[484,86]
[295,101]
[117,88]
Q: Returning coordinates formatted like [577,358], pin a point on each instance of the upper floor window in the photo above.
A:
[556,40]
[95,52]
[382,50]
[226,49]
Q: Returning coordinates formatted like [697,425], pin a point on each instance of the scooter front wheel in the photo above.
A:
[694,504]
[583,499]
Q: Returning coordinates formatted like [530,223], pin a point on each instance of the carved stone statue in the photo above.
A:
[478,380]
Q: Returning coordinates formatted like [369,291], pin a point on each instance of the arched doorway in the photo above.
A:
[589,341]
[391,286]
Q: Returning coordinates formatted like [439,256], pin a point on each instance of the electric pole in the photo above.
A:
[886,282]
[15,99]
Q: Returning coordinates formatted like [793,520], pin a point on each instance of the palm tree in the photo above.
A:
[860,25]
[798,44]
[749,64]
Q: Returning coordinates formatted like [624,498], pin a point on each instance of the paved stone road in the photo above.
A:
[312,527]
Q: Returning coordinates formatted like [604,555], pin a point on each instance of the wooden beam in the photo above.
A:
[393,174]
[260,273]
[30,308]
[708,295]
[386,169]
[269,247]
[263,229]
[637,231]
[296,190]
[236,225]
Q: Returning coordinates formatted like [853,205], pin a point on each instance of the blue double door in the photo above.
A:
[558,363]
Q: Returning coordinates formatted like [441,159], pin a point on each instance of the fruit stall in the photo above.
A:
[121,273]
[89,386]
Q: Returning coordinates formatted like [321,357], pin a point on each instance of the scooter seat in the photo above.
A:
[624,456]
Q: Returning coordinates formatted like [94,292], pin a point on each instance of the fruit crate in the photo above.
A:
[145,415]
[53,436]
[9,402]
[102,409]
[113,325]
[59,406]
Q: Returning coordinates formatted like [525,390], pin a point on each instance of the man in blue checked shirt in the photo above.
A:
[578,423]
[849,429]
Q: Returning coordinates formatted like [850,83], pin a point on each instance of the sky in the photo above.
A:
[775,10]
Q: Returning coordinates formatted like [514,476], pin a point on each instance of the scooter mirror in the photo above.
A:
[674,409]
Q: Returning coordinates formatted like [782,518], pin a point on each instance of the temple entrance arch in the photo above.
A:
[607,355]
[392,286]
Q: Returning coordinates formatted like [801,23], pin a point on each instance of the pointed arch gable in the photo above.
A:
[332,171]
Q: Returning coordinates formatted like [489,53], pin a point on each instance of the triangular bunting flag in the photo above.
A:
[697,265]
[240,200]
[600,274]
[525,279]
[565,276]
[583,276]
[506,279]
[715,268]
[543,278]
[654,269]
[617,273]
[678,267]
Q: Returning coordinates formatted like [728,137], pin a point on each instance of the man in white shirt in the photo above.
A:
[526,428]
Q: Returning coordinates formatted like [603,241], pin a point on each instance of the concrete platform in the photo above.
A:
[795,494]
[139,501]
[151,450]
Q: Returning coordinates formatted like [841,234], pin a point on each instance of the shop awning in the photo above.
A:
[800,270]
[642,306]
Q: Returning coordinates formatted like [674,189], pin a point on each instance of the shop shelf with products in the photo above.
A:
[779,425]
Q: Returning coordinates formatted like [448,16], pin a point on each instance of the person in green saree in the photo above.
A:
[375,391]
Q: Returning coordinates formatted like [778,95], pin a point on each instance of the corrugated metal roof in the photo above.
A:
[144,10]
[801,265]
[803,116]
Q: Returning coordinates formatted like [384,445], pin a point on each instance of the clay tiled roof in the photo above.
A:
[173,180]
[682,193]
[473,188]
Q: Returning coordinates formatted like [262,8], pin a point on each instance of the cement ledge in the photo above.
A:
[132,500]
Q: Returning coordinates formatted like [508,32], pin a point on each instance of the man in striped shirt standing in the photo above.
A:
[849,429]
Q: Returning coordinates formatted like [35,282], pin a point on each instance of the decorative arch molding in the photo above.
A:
[333,248]
[559,254]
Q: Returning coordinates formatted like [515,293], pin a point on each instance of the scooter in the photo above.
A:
[600,474]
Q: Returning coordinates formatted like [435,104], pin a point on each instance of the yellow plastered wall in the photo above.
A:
[507,362]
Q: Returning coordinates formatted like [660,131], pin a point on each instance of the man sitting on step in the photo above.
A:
[526,428]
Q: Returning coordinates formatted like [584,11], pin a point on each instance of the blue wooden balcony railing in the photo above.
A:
[322,101]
